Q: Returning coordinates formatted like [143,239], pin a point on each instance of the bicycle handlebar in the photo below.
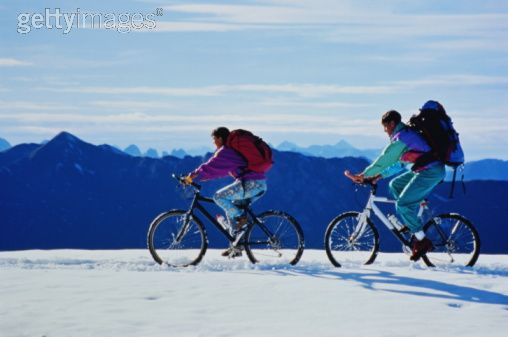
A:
[368,182]
[181,180]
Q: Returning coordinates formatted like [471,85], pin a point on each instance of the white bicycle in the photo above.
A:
[352,237]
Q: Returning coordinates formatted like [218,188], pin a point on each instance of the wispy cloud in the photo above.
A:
[191,26]
[10,62]
[315,123]
[34,106]
[303,90]
[458,80]
[132,105]
[141,122]
[143,90]
[308,90]
[334,105]
[340,21]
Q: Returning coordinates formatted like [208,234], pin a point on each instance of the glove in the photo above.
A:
[377,178]
[357,178]
[187,180]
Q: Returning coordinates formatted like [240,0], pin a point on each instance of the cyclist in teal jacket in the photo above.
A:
[412,187]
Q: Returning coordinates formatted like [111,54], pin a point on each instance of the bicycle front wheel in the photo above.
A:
[278,238]
[455,241]
[347,241]
[176,240]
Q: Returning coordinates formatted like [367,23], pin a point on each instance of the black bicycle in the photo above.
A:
[178,237]
[353,237]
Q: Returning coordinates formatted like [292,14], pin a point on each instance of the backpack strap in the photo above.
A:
[424,160]
[452,188]
[453,183]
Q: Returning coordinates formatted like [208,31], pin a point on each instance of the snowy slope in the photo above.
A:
[123,293]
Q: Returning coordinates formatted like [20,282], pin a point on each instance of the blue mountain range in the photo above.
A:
[486,169]
[68,193]
[339,150]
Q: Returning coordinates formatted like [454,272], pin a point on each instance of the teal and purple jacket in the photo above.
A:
[405,147]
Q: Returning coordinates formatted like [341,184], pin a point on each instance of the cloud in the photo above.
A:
[334,105]
[268,122]
[132,105]
[10,62]
[165,91]
[191,26]
[458,80]
[484,43]
[306,90]
[142,123]
[303,90]
[342,21]
[35,106]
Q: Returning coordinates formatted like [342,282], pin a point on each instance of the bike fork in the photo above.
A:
[185,228]
[360,227]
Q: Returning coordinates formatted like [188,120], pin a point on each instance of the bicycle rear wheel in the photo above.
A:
[346,243]
[455,241]
[176,242]
[278,238]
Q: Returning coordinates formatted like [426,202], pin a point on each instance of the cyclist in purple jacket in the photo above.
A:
[248,185]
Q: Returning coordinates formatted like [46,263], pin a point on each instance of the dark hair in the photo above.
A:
[221,132]
[391,116]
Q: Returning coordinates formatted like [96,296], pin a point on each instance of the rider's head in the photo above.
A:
[390,120]
[220,136]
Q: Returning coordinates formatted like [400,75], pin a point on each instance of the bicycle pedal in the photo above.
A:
[239,236]
[403,230]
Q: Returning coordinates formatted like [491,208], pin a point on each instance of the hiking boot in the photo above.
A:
[420,248]
[232,252]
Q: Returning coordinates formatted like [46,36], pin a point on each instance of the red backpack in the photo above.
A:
[252,148]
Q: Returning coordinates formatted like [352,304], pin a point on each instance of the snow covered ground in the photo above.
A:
[124,293]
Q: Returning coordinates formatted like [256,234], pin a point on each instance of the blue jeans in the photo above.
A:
[229,196]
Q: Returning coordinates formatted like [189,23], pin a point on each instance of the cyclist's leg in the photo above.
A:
[254,189]
[398,184]
[225,198]
[418,188]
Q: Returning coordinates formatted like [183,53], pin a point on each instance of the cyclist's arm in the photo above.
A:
[224,161]
[394,169]
[391,155]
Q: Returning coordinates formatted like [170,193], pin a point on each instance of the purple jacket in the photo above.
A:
[225,161]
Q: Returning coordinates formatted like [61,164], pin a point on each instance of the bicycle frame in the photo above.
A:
[371,207]
[197,205]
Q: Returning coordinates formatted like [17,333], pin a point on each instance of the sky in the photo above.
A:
[163,74]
